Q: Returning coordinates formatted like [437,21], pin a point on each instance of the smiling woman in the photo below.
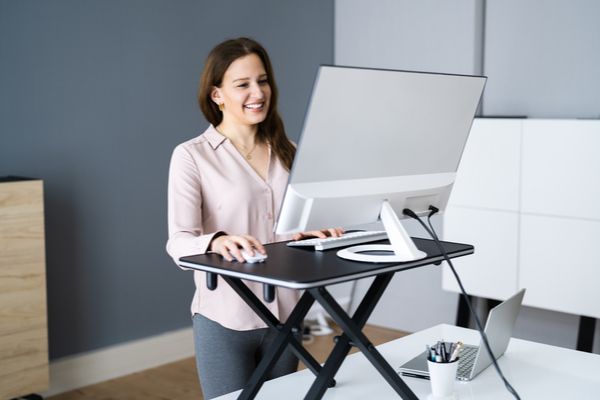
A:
[243,99]
[238,95]
[244,94]
[225,188]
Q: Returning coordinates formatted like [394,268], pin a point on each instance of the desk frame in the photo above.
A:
[316,291]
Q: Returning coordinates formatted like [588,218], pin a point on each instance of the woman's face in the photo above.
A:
[245,92]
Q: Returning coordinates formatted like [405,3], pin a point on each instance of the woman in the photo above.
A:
[225,189]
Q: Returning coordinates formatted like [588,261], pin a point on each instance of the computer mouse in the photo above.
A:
[257,257]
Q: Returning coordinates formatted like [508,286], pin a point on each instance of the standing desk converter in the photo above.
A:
[311,271]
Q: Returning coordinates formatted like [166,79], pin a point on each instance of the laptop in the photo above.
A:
[474,359]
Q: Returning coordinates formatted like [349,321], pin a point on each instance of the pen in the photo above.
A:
[456,351]
[438,350]
[443,352]
[415,375]
[451,351]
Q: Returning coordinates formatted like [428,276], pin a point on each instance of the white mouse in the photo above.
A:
[257,257]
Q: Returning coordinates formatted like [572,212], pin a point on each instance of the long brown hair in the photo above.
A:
[271,130]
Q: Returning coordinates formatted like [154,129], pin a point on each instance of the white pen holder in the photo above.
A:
[442,376]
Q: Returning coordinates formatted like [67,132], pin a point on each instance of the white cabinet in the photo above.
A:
[488,272]
[561,168]
[484,210]
[488,175]
[527,196]
[559,264]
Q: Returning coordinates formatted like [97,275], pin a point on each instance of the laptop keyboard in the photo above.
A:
[466,360]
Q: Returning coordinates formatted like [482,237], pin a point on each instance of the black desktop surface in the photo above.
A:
[303,268]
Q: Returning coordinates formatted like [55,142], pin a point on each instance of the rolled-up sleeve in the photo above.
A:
[186,232]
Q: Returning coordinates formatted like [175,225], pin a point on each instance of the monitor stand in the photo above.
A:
[401,249]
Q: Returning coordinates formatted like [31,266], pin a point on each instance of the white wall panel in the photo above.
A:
[488,174]
[559,264]
[413,301]
[561,168]
[492,271]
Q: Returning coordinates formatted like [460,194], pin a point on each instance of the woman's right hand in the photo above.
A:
[230,246]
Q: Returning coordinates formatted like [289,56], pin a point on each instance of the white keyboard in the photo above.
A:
[346,239]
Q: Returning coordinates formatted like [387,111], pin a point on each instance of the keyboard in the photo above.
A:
[346,239]
[466,361]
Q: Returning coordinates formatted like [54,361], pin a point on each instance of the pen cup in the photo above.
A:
[442,376]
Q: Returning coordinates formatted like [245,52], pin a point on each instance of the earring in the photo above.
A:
[221,107]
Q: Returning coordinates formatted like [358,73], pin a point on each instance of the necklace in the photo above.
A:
[249,154]
[242,149]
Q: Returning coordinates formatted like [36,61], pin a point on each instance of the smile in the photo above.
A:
[254,106]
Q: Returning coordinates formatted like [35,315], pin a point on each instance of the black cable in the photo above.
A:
[435,238]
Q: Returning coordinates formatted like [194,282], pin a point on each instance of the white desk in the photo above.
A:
[535,370]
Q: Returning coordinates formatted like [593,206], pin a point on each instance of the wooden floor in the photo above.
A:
[178,380]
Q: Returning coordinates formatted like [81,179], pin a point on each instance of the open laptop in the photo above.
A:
[474,359]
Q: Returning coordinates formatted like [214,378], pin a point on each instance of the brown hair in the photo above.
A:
[271,130]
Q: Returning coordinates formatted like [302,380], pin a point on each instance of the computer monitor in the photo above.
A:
[373,143]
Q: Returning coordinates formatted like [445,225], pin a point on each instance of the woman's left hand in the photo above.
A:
[323,233]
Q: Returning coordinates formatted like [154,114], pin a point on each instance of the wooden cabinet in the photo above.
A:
[23,316]
[527,195]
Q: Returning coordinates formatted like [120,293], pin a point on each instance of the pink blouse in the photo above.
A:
[212,188]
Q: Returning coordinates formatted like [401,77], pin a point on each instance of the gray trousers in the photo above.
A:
[226,358]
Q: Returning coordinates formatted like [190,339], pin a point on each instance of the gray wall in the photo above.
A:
[542,60]
[429,35]
[94,95]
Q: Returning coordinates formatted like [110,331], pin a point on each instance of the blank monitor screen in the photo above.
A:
[371,135]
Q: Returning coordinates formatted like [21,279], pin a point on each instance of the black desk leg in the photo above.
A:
[463,316]
[343,346]
[268,292]
[353,331]
[263,312]
[585,334]
[211,280]
[283,338]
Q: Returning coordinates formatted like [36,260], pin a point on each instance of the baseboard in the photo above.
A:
[92,367]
